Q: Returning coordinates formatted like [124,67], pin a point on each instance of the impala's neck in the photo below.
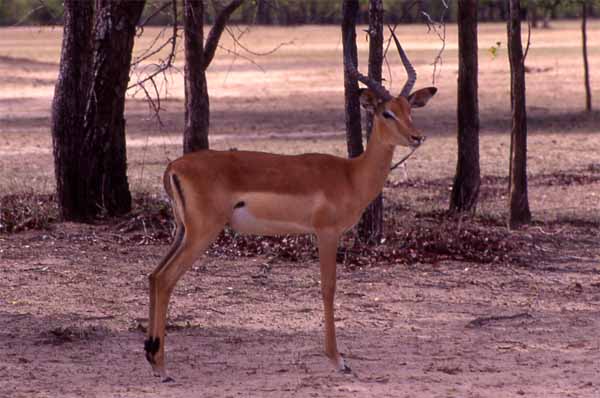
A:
[373,166]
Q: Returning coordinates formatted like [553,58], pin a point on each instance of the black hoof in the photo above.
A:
[151,346]
[168,379]
[345,369]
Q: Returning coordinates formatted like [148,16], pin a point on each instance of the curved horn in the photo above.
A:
[410,71]
[377,88]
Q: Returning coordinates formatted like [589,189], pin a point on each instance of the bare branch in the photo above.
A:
[237,54]
[439,28]
[163,64]
[152,50]
[212,41]
[236,39]
[528,38]
[387,63]
[30,13]
[404,159]
[151,16]
[155,106]
[238,43]
[42,6]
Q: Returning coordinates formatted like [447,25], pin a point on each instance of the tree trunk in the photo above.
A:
[586,70]
[263,12]
[197,106]
[407,12]
[370,228]
[68,105]
[533,16]
[103,159]
[546,19]
[465,189]
[519,203]
[351,98]
[502,9]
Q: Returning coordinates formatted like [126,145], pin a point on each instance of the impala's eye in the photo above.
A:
[388,115]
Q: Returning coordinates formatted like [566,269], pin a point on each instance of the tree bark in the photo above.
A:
[351,98]
[68,105]
[586,69]
[519,203]
[198,56]
[467,180]
[370,227]
[103,158]
[197,104]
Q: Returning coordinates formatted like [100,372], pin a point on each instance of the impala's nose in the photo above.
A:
[417,139]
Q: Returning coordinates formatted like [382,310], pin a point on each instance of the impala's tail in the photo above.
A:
[175,192]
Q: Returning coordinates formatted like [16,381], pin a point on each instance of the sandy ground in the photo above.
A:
[74,306]
[73,298]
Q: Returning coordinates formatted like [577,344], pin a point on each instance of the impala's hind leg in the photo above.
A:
[190,242]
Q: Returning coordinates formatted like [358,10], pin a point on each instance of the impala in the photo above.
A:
[267,194]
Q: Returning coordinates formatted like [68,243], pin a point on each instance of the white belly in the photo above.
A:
[244,222]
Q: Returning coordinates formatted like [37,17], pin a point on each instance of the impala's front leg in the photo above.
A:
[328,243]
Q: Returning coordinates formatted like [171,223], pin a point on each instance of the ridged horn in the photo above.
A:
[410,71]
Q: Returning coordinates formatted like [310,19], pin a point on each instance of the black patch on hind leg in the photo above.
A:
[239,204]
[151,346]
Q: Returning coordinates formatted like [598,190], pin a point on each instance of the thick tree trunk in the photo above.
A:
[586,69]
[103,159]
[351,98]
[370,228]
[465,189]
[69,105]
[519,203]
[197,106]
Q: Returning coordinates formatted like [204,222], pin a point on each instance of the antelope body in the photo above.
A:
[267,194]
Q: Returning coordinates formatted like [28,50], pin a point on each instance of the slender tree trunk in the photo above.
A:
[546,19]
[375,49]
[103,159]
[370,228]
[351,98]
[198,56]
[69,105]
[532,10]
[263,12]
[519,203]
[586,70]
[197,106]
[407,12]
[465,189]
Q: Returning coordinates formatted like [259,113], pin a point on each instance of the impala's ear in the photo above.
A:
[420,97]
[368,100]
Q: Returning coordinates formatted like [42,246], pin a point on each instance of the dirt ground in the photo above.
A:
[442,308]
